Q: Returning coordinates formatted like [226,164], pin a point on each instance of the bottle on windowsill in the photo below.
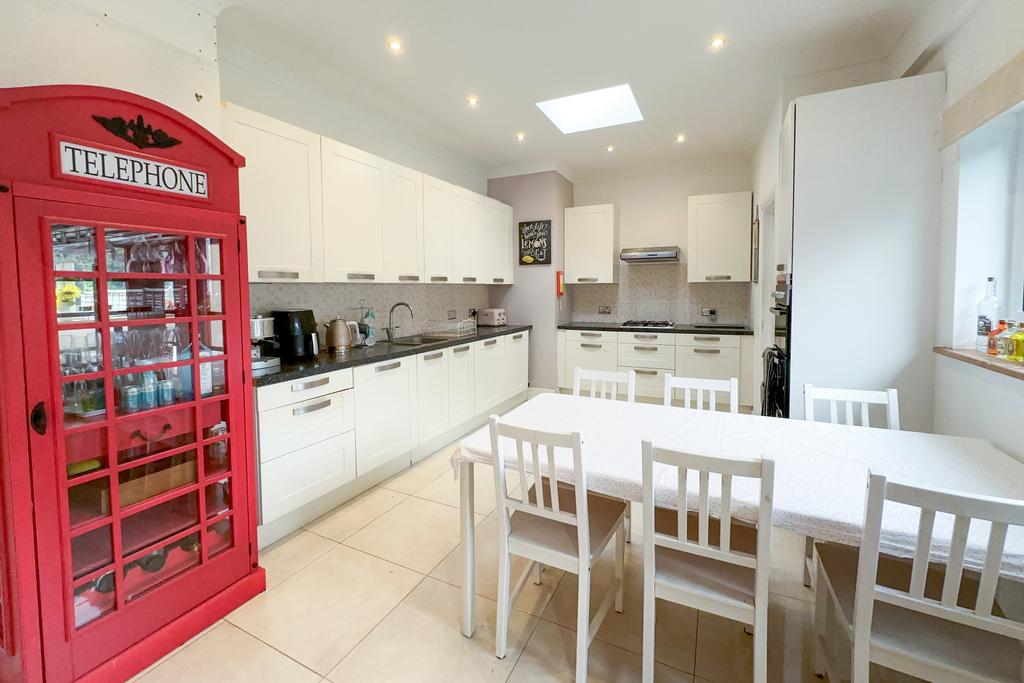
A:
[990,309]
[993,336]
[1003,339]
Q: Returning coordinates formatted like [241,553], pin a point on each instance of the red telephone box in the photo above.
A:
[127,494]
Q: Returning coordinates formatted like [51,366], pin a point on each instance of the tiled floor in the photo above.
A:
[370,592]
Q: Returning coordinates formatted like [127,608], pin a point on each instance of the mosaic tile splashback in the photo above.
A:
[428,302]
[659,291]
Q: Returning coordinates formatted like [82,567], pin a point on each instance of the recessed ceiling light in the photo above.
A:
[595,109]
[395,44]
[717,43]
[472,100]
[520,136]
[610,148]
[680,138]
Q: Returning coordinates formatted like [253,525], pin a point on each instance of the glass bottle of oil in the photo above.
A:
[1003,340]
[1016,354]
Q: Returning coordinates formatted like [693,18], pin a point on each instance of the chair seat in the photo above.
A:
[938,642]
[605,514]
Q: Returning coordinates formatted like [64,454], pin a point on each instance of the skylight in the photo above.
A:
[595,109]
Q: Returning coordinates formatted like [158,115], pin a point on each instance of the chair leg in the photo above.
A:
[538,577]
[582,624]
[650,609]
[821,604]
[861,670]
[629,522]
[620,564]
[808,555]
[501,633]
[761,643]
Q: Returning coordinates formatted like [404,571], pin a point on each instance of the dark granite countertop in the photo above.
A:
[701,328]
[326,361]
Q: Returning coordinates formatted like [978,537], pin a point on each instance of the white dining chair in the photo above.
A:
[605,383]
[847,399]
[562,526]
[703,387]
[725,578]
[939,630]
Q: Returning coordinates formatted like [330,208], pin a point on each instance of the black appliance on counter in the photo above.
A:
[296,333]
[775,388]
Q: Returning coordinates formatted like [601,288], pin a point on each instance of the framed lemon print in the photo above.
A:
[535,243]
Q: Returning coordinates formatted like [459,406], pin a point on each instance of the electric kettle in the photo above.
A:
[341,334]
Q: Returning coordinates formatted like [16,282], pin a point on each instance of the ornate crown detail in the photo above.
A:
[137,132]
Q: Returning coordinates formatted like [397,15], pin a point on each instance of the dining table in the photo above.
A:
[821,472]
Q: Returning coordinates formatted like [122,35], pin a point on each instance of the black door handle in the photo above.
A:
[37,418]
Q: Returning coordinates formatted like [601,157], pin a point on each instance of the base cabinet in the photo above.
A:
[461,383]
[291,481]
[432,394]
[593,355]
[517,363]
[385,396]
[490,373]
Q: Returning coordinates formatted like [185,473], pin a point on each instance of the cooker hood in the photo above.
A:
[651,255]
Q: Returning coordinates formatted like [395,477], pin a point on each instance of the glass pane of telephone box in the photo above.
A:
[135,251]
[74,247]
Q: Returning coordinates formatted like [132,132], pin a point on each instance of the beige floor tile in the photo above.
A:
[725,652]
[293,552]
[676,635]
[229,654]
[320,614]
[175,651]
[533,599]
[445,489]
[421,641]
[551,656]
[422,473]
[345,520]
[788,566]
[416,533]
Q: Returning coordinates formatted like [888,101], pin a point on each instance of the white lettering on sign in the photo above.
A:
[113,167]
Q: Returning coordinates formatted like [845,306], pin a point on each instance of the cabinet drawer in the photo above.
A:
[646,337]
[641,355]
[590,355]
[650,382]
[730,341]
[289,428]
[277,395]
[704,362]
[298,478]
[590,335]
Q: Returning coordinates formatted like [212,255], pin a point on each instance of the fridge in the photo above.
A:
[857,226]
[127,501]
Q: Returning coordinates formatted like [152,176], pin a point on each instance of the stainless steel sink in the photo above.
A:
[417,340]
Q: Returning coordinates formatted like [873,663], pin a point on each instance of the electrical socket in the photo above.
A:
[708,312]
[472,313]
[452,314]
[604,310]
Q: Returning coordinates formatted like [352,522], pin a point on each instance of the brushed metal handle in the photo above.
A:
[461,349]
[491,342]
[699,338]
[360,276]
[389,366]
[439,278]
[311,408]
[469,279]
[433,356]
[586,279]
[499,279]
[517,336]
[591,346]
[645,348]
[645,336]
[646,372]
[408,278]
[596,335]
[279,274]
[707,350]
[312,384]
[717,277]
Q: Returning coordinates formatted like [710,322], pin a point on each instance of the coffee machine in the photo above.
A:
[296,333]
[262,343]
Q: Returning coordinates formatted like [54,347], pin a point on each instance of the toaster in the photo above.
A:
[491,317]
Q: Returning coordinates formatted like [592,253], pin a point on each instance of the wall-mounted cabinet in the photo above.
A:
[403,224]
[280,192]
[497,246]
[353,189]
[437,229]
[718,237]
[467,236]
[591,244]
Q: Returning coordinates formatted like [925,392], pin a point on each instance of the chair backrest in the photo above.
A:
[762,469]
[605,383]
[711,387]
[849,398]
[534,469]
[999,512]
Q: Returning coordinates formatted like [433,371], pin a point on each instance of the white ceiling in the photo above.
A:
[514,54]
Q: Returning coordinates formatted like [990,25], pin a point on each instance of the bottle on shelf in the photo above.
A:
[1003,339]
[994,335]
[990,309]
[1015,345]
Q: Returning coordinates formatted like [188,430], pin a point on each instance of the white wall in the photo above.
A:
[58,41]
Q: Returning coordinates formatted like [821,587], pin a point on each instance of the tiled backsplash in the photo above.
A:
[428,302]
[659,291]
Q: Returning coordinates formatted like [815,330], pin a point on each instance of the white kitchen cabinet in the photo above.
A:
[280,195]
[467,236]
[591,244]
[298,425]
[517,363]
[432,392]
[353,186]
[496,250]
[561,360]
[706,362]
[592,355]
[490,373]
[289,482]
[437,229]
[402,218]
[718,237]
[650,382]
[386,406]
[461,383]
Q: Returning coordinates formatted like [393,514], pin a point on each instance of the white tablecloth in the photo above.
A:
[820,469]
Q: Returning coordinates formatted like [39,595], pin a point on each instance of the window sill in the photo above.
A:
[983,360]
